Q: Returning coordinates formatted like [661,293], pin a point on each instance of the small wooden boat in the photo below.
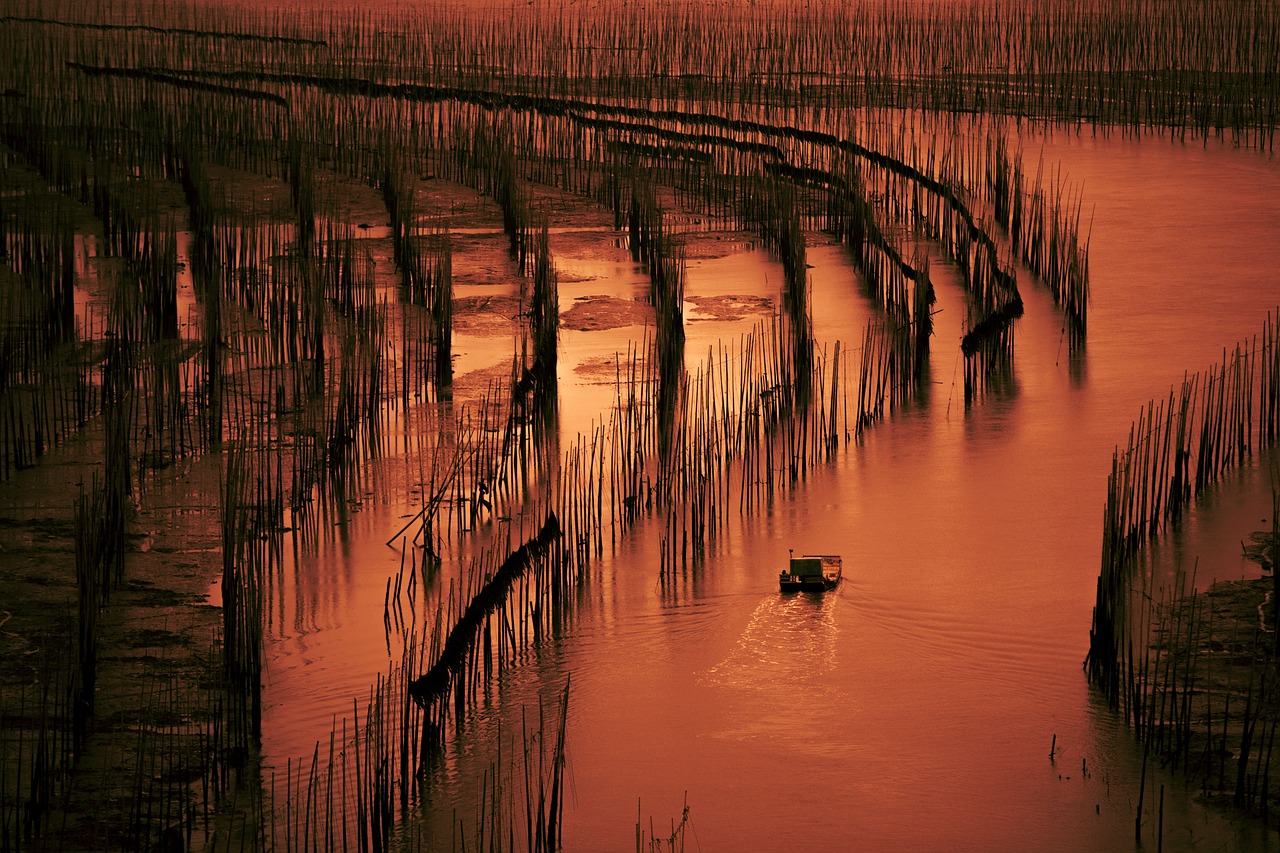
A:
[811,573]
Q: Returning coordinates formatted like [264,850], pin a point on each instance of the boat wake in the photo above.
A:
[778,676]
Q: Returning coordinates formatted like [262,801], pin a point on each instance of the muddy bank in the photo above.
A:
[1214,707]
[147,753]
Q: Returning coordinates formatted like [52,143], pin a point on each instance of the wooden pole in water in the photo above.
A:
[1160,824]
[1142,790]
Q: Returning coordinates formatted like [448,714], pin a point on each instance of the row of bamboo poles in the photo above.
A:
[996,303]
[1131,65]
[150,387]
[1043,224]
[952,223]
[1151,649]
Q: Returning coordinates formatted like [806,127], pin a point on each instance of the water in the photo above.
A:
[913,709]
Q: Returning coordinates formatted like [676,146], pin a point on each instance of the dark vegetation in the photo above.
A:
[1194,675]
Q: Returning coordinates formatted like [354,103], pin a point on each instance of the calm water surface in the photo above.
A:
[914,709]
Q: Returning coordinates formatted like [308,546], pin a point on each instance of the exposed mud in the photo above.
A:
[600,313]
[158,665]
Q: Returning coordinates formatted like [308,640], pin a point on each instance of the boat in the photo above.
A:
[811,573]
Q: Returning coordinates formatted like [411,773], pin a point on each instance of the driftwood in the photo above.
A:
[426,689]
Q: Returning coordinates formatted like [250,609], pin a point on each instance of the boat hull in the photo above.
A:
[795,584]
